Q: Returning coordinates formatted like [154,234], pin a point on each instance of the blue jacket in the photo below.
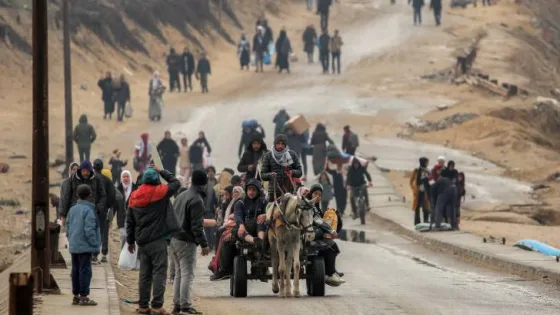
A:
[82,228]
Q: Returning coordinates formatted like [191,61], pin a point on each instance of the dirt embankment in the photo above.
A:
[128,37]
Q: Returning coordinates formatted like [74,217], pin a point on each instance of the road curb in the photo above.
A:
[114,302]
[470,255]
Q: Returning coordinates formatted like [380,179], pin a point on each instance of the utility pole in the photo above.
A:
[67,84]
[40,256]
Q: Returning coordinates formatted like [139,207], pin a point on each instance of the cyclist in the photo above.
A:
[356,183]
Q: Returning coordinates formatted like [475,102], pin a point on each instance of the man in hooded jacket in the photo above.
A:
[111,192]
[64,186]
[251,157]
[248,136]
[250,214]
[84,136]
[146,225]
[280,166]
[189,207]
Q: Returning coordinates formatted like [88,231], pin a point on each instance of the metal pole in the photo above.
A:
[40,189]
[21,294]
[67,84]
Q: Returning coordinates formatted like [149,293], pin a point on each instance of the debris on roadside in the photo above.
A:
[57,161]
[543,101]
[4,167]
[539,186]
[447,122]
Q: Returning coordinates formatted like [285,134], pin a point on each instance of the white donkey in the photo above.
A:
[290,216]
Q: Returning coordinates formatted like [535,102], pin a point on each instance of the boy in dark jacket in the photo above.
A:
[146,225]
[187,68]
[84,136]
[84,239]
[203,70]
[111,192]
[190,209]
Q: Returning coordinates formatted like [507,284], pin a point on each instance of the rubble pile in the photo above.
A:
[447,122]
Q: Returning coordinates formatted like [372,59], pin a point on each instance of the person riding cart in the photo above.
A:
[250,131]
[251,157]
[250,215]
[326,225]
[281,166]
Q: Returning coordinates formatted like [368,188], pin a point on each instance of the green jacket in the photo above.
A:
[84,134]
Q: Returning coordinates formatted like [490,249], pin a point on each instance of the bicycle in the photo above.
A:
[360,205]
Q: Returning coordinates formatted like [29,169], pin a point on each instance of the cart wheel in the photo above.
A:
[316,277]
[239,278]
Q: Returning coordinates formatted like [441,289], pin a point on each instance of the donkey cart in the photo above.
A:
[312,269]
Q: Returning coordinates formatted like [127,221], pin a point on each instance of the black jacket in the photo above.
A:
[248,138]
[249,209]
[189,207]
[187,63]
[174,63]
[250,157]
[169,152]
[324,43]
[416,3]
[355,177]
[259,44]
[338,180]
[196,150]
[106,86]
[121,93]
[121,205]
[110,189]
[295,142]
[451,174]
[269,165]
[440,186]
[435,4]
[203,67]
[145,218]
[323,6]
[69,196]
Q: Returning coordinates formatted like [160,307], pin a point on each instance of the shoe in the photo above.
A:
[95,261]
[76,300]
[104,259]
[189,310]
[176,310]
[334,280]
[220,275]
[340,274]
[85,301]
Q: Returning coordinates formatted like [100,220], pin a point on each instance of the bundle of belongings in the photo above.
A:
[335,156]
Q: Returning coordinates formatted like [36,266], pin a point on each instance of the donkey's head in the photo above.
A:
[299,210]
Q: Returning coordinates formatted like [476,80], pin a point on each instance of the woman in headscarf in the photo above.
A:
[142,154]
[319,140]
[283,51]
[125,187]
[156,97]
[225,248]
[420,185]
[184,160]
[244,51]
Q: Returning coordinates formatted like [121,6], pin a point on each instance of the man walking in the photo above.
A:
[259,48]
[350,141]
[203,70]
[323,8]
[189,208]
[84,136]
[417,6]
[336,45]
[146,225]
[110,190]
[174,67]
[436,6]
[106,86]
[324,47]
[187,68]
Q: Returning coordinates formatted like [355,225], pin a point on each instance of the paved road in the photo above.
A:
[391,275]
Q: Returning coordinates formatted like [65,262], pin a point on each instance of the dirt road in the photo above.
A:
[391,275]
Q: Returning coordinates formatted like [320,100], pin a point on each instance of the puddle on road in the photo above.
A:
[355,236]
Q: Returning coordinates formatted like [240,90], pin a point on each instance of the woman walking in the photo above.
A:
[283,50]
[142,154]
[156,97]
[244,51]
[319,140]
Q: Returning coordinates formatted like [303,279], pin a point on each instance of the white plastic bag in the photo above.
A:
[128,110]
[128,261]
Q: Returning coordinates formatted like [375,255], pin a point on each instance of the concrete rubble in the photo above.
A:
[450,121]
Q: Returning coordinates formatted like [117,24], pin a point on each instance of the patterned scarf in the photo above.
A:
[283,157]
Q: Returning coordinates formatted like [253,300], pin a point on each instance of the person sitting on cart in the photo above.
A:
[280,167]
[250,159]
[324,234]
[250,215]
[356,182]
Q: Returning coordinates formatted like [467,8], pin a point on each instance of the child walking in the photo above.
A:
[117,165]
[84,239]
